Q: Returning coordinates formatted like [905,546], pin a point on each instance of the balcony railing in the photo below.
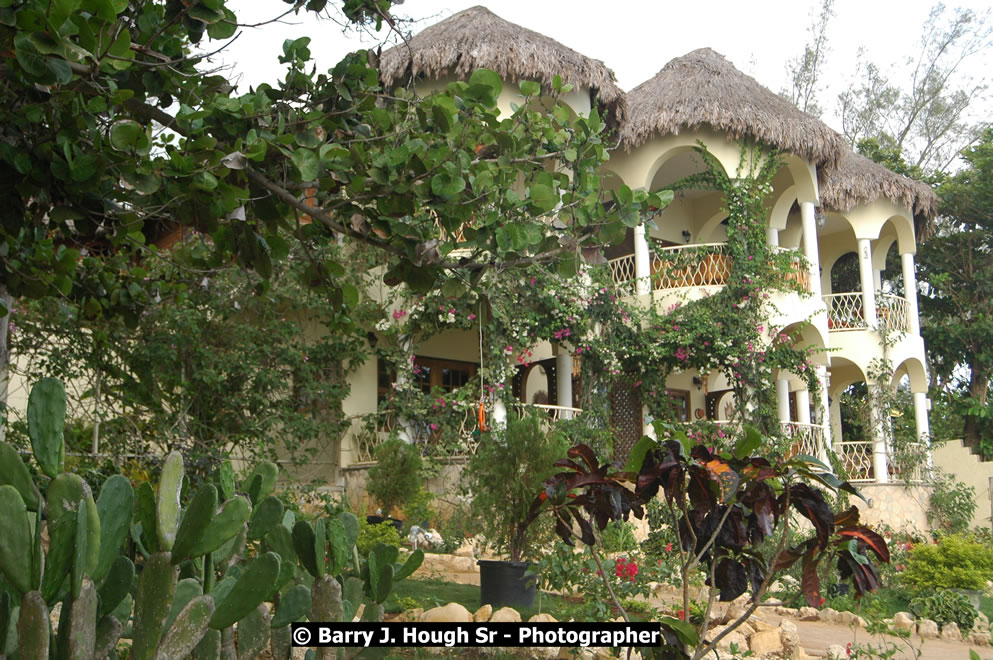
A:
[622,273]
[706,264]
[893,311]
[856,459]
[846,312]
[808,439]
[451,441]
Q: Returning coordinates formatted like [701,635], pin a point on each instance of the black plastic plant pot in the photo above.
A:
[503,583]
[376,520]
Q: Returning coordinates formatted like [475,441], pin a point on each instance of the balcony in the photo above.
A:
[450,434]
[706,264]
[846,312]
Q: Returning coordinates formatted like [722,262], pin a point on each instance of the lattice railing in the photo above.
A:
[808,439]
[622,273]
[856,458]
[893,312]
[845,311]
[909,463]
[555,413]
[706,264]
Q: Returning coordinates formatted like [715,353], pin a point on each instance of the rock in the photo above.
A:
[789,637]
[904,622]
[979,637]
[787,625]
[543,617]
[837,652]
[808,614]
[982,622]
[776,587]
[786,611]
[950,631]
[483,614]
[765,642]
[746,628]
[759,625]
[735,611]
[829,615]
[849,619]
[789,581]
[451,613]
[927,629]
[506,615]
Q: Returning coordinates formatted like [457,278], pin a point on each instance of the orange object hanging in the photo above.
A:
[482,417]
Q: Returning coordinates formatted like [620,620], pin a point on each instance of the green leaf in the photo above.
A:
[530,88]
[307,163]
[124,134]
[638,453]
[750,440]
[446,186]
[487,79]
[544,197]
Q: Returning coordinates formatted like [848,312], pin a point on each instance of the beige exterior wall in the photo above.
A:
[956,459]
[896,505]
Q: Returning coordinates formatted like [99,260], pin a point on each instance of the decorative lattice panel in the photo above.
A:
[845,311]
[625,420]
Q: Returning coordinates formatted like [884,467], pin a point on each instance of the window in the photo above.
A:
[448,375]
[680,404]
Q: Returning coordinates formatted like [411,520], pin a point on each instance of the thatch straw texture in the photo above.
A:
[703,88]
[858,180]
[477,38]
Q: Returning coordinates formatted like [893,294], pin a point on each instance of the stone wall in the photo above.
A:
[897,505]
[445,487]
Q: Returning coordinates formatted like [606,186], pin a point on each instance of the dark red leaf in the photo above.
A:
[585,453]
[810,583]
[564,532]
[847,518]
[566,463]
[869,538]
[812,505]
[731,578]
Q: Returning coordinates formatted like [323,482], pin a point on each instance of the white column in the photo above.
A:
[563,380]
[868,284]
[783,399]
[880,419]
[642,262]
[920,419]
[772,236]
[499,412]
[823,412]
[803,406]
[810,246]
[910,292]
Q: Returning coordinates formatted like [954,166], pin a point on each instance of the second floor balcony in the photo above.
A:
[846,312]
[698,265]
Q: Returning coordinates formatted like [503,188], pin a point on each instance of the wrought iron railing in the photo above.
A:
[622,273]
[856,460]
[807,439]
[706,264]
[893,311]
[845,312]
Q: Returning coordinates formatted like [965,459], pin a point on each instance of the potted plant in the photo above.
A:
[395,479]
[504,476]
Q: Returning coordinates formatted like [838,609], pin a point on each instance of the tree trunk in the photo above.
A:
[978,388]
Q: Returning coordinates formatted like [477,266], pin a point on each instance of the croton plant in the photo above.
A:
[734,514]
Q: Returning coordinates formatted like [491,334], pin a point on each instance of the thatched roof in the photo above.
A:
[858,180]
[477,38]
[703,88]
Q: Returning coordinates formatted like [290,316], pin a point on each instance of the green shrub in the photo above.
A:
[395,479]
[618,536]
[953,563]
[945,606]
[370,535]
[951,506]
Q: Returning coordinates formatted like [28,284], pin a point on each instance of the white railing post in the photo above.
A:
[823,413]
[803,406]
[922,425]
[810,246]
[642,262]
[783,399]
[910,293]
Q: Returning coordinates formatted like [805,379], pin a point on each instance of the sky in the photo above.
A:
[637,37]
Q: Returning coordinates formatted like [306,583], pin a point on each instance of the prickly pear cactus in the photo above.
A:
[46,423]
[15,541]
[14,472]
[167,503]
[156,589]
[187,630]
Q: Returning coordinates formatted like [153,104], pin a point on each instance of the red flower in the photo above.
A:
[668,548]
[681,614]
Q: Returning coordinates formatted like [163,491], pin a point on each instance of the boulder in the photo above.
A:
[543,617]
[790,638]
[982,622]
[837,652]
[451,613]
[979,637]
[759,624]
[927,629]
[765,642]
[904,622]
[483,614]
[830,615]
[808,614]
[786,611]
[735,637]
[951,632]
[506,615]
[849,619]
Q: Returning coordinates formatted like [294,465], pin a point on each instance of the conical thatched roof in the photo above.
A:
[477,38]
[858,180]
[703,88]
